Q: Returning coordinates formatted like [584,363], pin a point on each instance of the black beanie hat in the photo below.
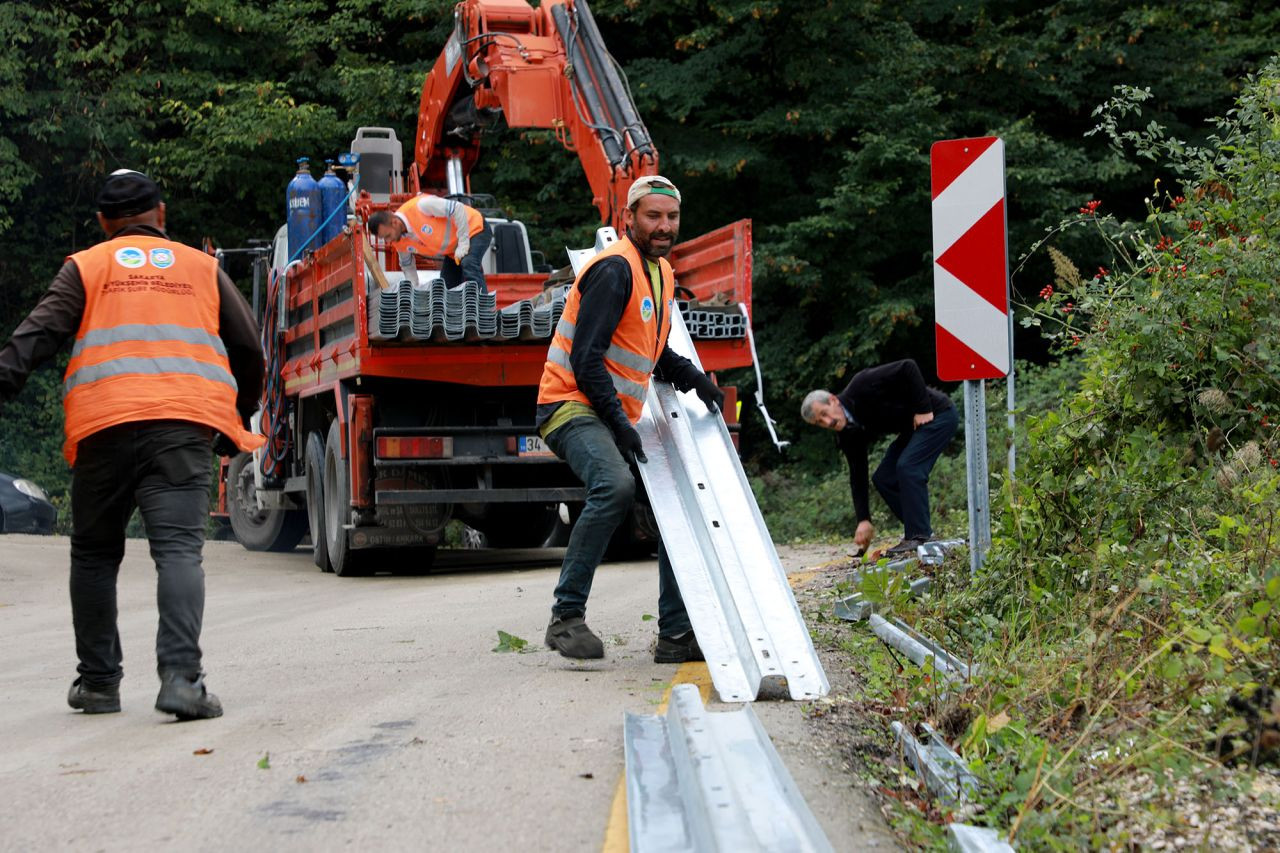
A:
[127,193]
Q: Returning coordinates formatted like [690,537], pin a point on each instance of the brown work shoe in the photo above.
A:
[572,638]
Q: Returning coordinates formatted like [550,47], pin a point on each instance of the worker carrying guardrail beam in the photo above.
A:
[435,227]
[887,400]
[610,340]
[166,368]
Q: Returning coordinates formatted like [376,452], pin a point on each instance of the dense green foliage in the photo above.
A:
[1126,618]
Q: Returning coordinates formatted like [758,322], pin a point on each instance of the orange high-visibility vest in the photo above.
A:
[637,342]
[148,346]
[434,235]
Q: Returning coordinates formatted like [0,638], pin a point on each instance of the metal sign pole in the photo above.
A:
[975,443]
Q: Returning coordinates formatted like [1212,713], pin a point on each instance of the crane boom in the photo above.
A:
[544,67]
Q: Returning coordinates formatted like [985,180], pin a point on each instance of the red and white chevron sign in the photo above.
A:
[970,262]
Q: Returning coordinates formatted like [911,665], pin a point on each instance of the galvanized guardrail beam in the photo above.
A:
[963,838]
[943,771]
[919,648]
[700,781]
[734,586]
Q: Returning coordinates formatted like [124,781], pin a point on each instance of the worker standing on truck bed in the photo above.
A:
[611,338]
[439,228]
[884,400]
[166,365]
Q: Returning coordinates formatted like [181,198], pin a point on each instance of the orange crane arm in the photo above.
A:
[543,67]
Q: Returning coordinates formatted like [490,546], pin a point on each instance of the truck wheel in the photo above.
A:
[314,466]
[337,507]
[259,529]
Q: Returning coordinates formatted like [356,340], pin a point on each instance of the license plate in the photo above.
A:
[533,445]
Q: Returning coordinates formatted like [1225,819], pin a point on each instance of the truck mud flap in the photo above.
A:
[701,781]
[735,589]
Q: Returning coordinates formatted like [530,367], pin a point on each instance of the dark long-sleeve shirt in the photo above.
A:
[57,317]
[606,292]
[882,401]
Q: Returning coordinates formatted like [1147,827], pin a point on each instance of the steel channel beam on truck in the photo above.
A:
[463,496]
[734,587]
[699,781]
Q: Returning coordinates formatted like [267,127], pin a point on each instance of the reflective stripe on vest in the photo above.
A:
[626,358]
[637,341]
[154,366]
[634,390]
[150,334]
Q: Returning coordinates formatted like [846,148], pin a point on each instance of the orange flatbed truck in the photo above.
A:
[376,442]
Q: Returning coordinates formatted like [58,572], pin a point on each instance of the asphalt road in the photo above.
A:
[365,713]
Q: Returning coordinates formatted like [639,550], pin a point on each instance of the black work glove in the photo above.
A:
[223,446]
[629,444]
[708,392]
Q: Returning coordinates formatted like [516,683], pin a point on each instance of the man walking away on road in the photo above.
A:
[436,227]
[610,340]
[885,400]
[166,365]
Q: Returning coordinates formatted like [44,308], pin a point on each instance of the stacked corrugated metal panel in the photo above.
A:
[432,312]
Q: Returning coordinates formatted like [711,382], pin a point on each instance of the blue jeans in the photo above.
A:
[162,468]
[903,477]
[471,268]
[588,446]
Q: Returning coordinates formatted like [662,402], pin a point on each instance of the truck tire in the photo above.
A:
[337,507]
[259,529]
[313,464]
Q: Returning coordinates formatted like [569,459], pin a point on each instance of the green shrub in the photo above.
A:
[1126,617]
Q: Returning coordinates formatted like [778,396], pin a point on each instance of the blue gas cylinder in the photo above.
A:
[333,192]
[304,207]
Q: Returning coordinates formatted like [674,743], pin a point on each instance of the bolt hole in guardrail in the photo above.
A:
[702,485]
[715,524]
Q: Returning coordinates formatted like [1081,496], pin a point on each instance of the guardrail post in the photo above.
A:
[975,441]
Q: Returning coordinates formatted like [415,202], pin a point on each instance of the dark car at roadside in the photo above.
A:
[24,506]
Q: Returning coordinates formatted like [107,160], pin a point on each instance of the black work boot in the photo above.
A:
[572,638]
[186,697]
[681,649]
[104,700]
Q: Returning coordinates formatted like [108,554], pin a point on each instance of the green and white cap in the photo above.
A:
[650,185]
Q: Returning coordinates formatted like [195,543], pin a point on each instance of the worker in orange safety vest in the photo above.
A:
[611,338]
[166,365]
[437,228]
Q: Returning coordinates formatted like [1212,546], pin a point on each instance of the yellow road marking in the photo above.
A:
[801,578]
[617,836]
